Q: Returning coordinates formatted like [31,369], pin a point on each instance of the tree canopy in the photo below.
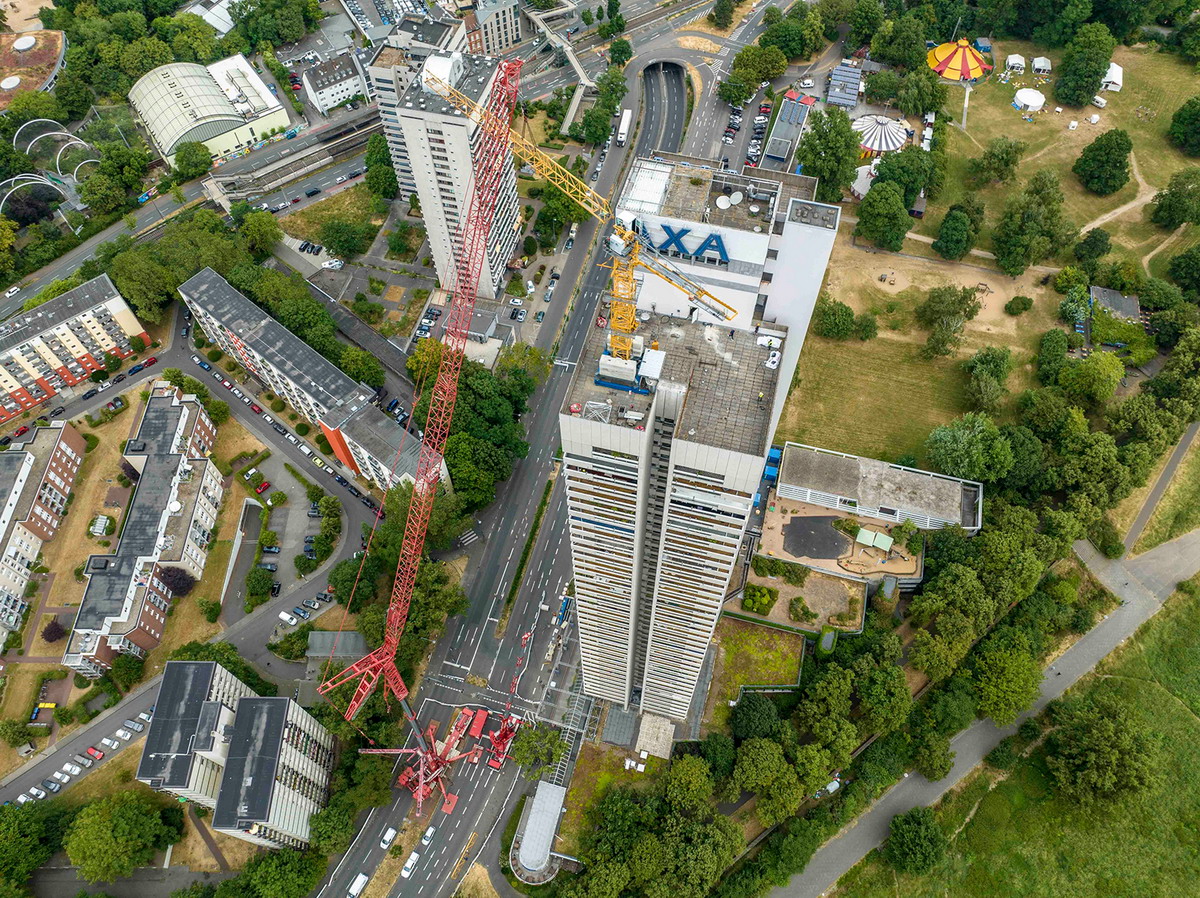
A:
[1101,751]
[1103,166]
[112,836]
[1084,65]
[537,748]
[1185,127]
[828,150]
[915,841]
[883,216]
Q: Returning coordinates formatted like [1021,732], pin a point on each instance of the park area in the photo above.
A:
[1038,843]
[599,767]
[353,205]
[749,655]
[1178,512]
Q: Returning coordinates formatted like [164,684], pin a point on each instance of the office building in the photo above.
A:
[395,64]
[363,438]
[187,743]
[334,81]
[493,27]
[168,524]
[443,149]
[226,106]
[36,476]
[664,447]
[277,769]
[51,348]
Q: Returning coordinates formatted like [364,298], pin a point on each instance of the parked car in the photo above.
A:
[56,411]
[268,566]
[311,603]
[36,792]
[147,715]
[110,744]
[89,394]
[301,613]
[72,769]
[276,587]
[82,760]
[21,431]
[271,550]
[51,785]
[256,408]
[288,619]
[62,777]
[96,753]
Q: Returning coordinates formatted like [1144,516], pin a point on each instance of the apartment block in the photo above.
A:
[168,524]
[395,64]
[493,27]
[57,345]
[187,743]
[364,439]
[277,773]
[334,81]
[444,148]
[36,477]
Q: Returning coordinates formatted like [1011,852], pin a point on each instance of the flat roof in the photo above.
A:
[1116,302]
[39,443]
[332,71]
[182,695]
[34,65]
[468,73]
[24,326]
[380,434]
[723,374]
[349,643]
[878,484]
[541,824]
[844,82]
[249,779]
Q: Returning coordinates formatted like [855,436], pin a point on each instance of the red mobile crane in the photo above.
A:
[493,161]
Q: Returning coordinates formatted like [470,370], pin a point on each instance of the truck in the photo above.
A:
[623,128]
[478,724]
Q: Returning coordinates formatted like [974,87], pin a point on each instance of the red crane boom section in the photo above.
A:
[493,161]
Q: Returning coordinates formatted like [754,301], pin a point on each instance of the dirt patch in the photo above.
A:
[22,15]
[40,648]
[476,884]
[703,44]
[828,597]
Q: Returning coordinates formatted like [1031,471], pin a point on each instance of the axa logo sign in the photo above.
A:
[674,243]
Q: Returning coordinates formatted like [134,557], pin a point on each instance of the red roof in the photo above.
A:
[792,95]
[807,101]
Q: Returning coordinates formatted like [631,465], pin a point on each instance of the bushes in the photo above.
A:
[1004,756]
[799,611]
[1018,305]
[302,429]
[293,646]
[278,406]
[210,609]
[792,574]
[759,599]
[1104,536]
[215,355]
[53,631]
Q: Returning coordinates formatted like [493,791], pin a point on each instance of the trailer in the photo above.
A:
[623,128]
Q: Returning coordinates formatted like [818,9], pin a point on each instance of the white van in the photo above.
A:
[388,837]
[287,618]
[356,887]
[305,449]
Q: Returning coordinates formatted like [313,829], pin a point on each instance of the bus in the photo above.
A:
[623,128]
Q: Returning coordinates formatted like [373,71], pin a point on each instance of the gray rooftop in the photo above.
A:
[249,779]
[1116,302]
[844,82]
[394,447]
[332,71]
[723,374]
[540,826]
[25,326]
[878,484]
[109,576]
[349,644]
[472,82]
[178,713]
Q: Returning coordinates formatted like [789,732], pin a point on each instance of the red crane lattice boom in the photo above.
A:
[493,160]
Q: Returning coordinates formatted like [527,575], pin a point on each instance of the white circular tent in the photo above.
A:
[880,134]
[1029,100]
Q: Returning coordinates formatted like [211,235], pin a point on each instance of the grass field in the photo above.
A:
[1156,84]
[1020,839]
[1178,511]
[598,769]
[352,204]
[750,655]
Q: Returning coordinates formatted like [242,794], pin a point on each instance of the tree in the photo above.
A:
[53,631]
[125,165]
[528,360]
[1032,226]
[688,784]
[998,162]
[362,366]
[883,216]
[620,52]
[1092,380]
[754,64]
[944,314]
[345,239]
[832,319]
[30,834]
[25,106]
[717,749]
[127,670]
[798,34]
[192,160]
[258,582]
[1101,752]
[865,19]
[537,748]
[955,236]
[285,873]
[754,716]
[910,169]
[332,827]
[1084,65]
[1007,678]
[865,326]
[588,18]
[1184,269]
[734,92]
[1103,166]
[102,193]
[828,151]
[261,231]
[112,836]
[15,732]
[915,841]
[885,699]
[760,763]
[1179,203]
[381,181]
[1095,243]
[179,581]
[970,447]
[378,155]
[1185,127]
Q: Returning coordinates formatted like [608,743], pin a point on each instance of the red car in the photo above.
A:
[295,87]
[263,487]
[22,430]
[96,753]
[150,361]
[257,409]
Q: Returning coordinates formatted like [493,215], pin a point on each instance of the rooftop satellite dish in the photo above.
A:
[737,197]
[724,202]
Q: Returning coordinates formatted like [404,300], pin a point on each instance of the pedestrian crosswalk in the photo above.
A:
[467,538]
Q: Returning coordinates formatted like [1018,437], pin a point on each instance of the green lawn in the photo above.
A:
[751,655]
[598,769]
[1023,841]
[878,399]
[1156,84]
[352,204]
[1178,511]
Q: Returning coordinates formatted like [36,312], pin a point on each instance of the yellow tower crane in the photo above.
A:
[625,245]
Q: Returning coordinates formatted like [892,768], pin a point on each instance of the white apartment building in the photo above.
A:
[664,451]
[187,743]
[443,149]
[334,81]
[277,772]
[36,476]
[493,27]
[363,438]
[396,63]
